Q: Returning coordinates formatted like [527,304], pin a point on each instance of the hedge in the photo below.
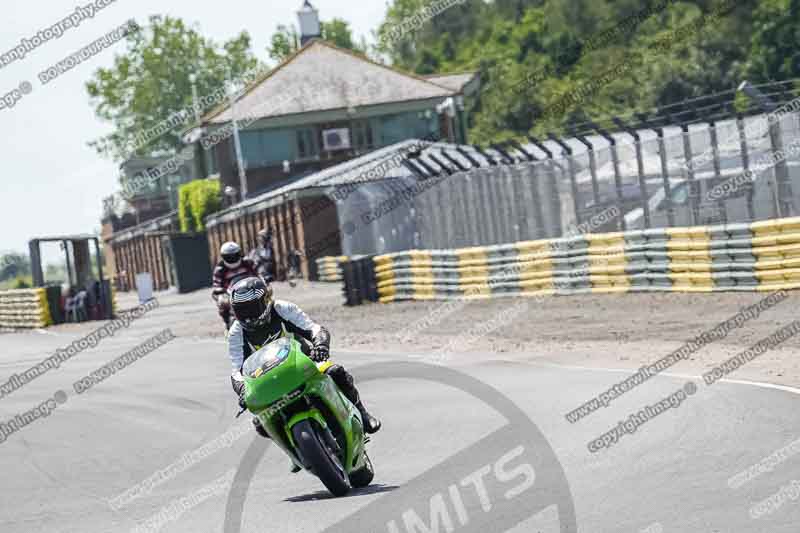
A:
[196,200]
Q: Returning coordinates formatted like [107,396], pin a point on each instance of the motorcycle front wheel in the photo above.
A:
[320,457]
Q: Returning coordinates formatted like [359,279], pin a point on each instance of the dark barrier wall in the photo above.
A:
[360,284]
[54,302]
[188,258]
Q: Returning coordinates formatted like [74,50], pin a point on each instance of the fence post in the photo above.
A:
[639,167]
[530,194]
[572,176]
[687,154]
[617,177]
[721,204]
[784,202]
[662,152]
[523,201]
[751,212]
[592,168]
[516,189]
[559,229]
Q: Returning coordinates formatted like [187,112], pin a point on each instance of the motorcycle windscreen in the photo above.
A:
[272,373]
[267,358]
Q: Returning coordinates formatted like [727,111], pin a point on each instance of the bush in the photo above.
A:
[196,200]
[184,208]
[23,283]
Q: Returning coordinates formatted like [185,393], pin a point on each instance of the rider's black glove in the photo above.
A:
[320,354]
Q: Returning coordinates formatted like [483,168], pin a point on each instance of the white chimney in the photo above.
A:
[309,23]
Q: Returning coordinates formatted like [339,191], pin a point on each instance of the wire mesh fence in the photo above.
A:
[739,169]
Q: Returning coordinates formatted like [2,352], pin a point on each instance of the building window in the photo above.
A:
[252,149]
[393,129]
[261,148]
[403,126]
[307,145]
[211,161]
[362,135]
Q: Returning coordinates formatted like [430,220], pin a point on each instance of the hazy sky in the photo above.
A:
[51,182]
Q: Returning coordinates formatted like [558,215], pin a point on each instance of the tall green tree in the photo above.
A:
[534,56]
[150,82]
[283,43]
[338,32]
[432,44]
[775,53]
[13,265]
[286,40]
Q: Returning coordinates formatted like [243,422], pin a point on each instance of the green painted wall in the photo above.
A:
[266,147]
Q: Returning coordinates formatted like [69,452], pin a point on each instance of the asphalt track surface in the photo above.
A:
[58,473]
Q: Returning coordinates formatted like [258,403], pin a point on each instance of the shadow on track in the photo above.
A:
[325,495]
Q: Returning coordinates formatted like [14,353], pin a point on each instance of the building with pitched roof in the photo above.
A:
[322,106]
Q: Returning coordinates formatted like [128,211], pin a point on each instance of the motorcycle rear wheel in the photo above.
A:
[321,459]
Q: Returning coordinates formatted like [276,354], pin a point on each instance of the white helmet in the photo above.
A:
[231,254]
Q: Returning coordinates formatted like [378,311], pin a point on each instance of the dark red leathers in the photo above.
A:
[224,278]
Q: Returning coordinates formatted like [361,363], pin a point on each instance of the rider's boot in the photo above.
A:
[344,380]
[293,468]
[371,424]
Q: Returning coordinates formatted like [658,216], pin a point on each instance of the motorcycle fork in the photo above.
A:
[327,434]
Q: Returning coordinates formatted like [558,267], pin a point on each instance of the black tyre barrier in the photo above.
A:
[360,283]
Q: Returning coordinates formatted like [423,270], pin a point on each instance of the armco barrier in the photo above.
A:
[760,256]
[329,268]
[24,308]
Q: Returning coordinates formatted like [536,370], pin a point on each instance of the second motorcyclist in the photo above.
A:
[264,256]
[232,267]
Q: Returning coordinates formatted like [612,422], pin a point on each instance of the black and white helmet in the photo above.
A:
[251,302]
[231,254]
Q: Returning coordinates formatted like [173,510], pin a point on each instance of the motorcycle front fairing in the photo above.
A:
[283,386]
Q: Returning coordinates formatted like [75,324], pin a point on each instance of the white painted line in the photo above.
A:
[763,385]
[784,388]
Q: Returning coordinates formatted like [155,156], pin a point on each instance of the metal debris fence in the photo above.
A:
[661,177]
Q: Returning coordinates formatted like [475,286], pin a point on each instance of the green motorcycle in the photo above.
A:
[307,416]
